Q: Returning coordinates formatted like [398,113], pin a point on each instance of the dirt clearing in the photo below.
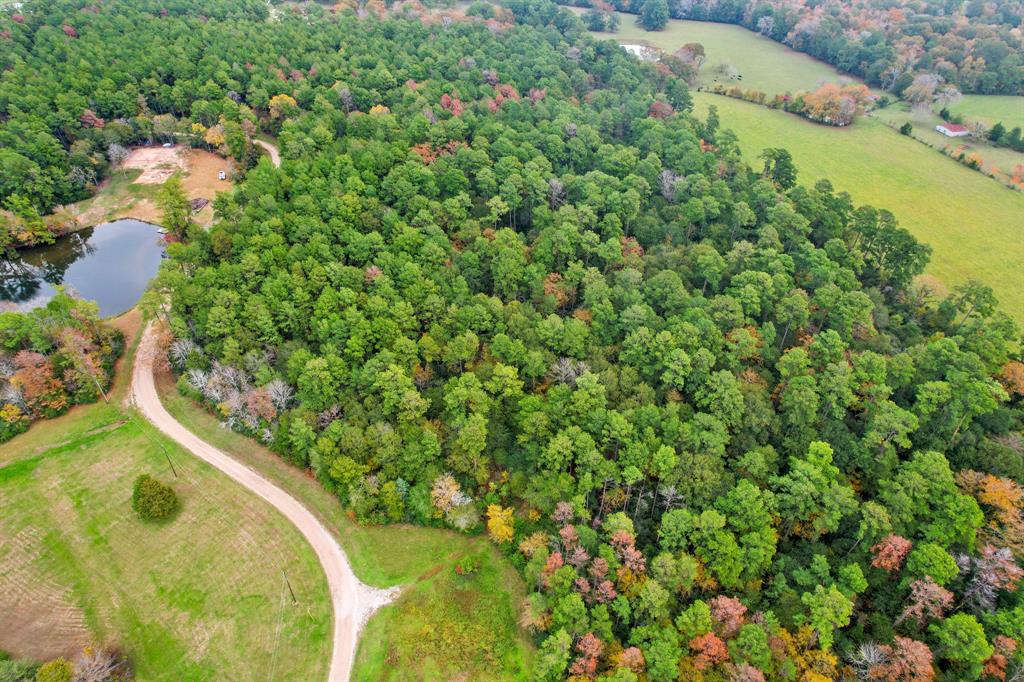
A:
[131,190]
[156,163]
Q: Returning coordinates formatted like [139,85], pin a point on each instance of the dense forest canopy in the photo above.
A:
[78,80]
[976,46]
[504,280]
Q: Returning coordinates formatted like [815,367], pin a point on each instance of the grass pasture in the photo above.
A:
[974,225]
[183,598]
[442,626]
[999,160]
[991,109]
[763,64]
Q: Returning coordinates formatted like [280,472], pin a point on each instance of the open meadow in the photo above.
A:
[180,597]
[991,109]
[974,225]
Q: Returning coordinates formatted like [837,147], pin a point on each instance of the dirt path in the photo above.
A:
[275,157]
[353,602]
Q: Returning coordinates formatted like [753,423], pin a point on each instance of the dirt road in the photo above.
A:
[275,157]
[353,602]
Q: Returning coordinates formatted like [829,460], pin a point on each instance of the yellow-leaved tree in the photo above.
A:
[500,525]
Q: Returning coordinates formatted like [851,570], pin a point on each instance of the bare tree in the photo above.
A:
[280,394]
[727,70]
[345,96]
[179,351]
[9,393]
[987,574]
[668,182]
[890,75]
[567,370]
[197,379]
[81,175]
[669,496]
[766,24]
[948,94]
[7,368]
[868,656]
[98,665]
[921,93]
[117,154]
[556,193]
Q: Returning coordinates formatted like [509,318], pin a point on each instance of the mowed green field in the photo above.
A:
[762,63]
[974,225]
[991,109]
[442,626]
[201,596]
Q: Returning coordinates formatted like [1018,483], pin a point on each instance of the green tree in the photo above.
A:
[778,165]
[174,206]
[654,14]
[961,640]
[829,610]
[810,496]
[553,657]
[924,502]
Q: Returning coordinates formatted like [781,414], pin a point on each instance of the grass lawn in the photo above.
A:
[763,64]
[442,627]
[974,225]
[201,596]
[992,109]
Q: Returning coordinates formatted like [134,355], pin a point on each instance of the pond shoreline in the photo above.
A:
[111,263]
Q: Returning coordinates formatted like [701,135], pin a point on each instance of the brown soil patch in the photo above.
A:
[201,179]
[156,163]
[128,324]
[40,620]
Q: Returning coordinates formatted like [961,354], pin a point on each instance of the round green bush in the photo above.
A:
[153,500]
[57,670]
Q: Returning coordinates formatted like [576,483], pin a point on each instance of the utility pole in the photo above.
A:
[289,584]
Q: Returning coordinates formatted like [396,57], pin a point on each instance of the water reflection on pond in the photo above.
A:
[111,264]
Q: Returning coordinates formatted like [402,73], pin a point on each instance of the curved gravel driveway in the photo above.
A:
[275,157]
[353,602]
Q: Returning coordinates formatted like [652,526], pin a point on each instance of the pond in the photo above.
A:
[645,53]
[111,264]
